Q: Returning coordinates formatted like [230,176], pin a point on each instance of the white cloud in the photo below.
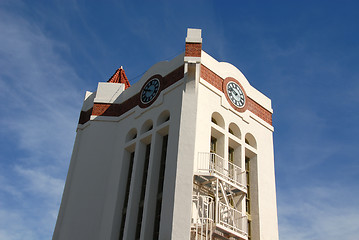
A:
[40,108]
[41,183]
[39,92]
[13,226]
[318,212]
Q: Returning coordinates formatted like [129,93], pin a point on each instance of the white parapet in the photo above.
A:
[108,92]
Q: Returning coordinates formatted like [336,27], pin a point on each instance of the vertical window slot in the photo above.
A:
[143,191]
[160,187]
[127,193]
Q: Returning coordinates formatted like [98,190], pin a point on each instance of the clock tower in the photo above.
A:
[184,153]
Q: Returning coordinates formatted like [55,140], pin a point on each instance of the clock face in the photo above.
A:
[150,90]
[235,94]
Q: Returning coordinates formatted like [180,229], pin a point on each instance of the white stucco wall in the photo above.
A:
[92,199]
[94,193]
[210,100]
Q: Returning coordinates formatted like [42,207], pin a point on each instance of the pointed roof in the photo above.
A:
[120,77]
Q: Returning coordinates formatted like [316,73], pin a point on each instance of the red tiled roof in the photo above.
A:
[120,77]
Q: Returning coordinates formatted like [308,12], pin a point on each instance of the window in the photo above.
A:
[231,161]
[163,117]
[213,145]
[147,126]
[127,193]
[217,119]
[234,130]
[230,154]
[132,134]
[230,131]
[143,191]
[160,187]
[250,140]
[214,121]
[248,200]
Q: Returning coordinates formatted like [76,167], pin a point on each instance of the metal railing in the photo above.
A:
[203,218]
[213,163]
[232,219]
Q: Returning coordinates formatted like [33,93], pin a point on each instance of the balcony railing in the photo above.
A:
[213,163]
[203,218]
[232,219]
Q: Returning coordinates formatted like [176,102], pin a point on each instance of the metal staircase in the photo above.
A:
[219,197]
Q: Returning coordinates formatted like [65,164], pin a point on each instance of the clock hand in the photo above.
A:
[235,92]
[232,90]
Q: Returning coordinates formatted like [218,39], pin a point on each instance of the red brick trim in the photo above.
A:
[115,110]
[108,109]
[212,78]
[173,77]
[250,105]
[260,111]
[193,49]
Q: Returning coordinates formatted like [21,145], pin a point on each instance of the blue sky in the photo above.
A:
[301,54]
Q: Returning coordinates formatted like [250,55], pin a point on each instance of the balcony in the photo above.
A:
[211,164]
[232,219]
[220,220]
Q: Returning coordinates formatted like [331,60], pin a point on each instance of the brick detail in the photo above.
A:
[212,78]
[251,105]
[260,111]
[173,77]
[107,109]
[193,49]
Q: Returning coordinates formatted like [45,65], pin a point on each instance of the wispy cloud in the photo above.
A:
[40,106]
[318,212]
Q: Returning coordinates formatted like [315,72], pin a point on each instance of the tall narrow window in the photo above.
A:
[160,188]
[213,149]
[127,193]
[231,168]
[248,199]
[143,191]
[230,157]
[230,154]
[213,145]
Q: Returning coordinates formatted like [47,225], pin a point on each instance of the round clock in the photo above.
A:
[235,94]
[150,90]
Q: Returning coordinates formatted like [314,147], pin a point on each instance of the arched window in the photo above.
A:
[163,117]
[250,140]
[234,130]
[132,134]
[147,126]
[217,119]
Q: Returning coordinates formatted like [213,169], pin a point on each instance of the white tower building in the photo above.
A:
[185,153]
